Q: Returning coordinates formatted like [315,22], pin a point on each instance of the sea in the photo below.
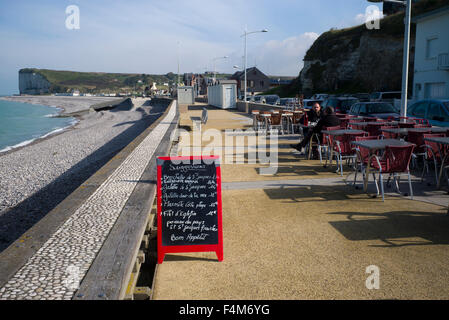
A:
[23,123]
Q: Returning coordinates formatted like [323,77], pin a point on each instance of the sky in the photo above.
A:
[149,36]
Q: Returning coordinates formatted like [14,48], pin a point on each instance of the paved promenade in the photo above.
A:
[55,270]
[303,233]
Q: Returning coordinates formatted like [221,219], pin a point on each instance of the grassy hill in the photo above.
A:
[96,82]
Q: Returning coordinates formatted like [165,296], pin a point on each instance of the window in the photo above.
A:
[355,109]
[381,108]
[418,109]
[262,84]
[435,90]
[362,109]
[431,48]
[434,112]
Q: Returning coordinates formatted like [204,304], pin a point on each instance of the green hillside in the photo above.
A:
[96,82]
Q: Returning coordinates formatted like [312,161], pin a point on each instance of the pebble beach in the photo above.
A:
[38,176]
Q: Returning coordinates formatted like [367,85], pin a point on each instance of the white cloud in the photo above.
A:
[283,57]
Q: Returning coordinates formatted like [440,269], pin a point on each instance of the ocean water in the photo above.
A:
[22,123]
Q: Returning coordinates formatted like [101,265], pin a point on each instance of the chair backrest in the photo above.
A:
[345,142]
[424,122]
[373,129]
[398,158]
[276,118]
[363,153]
[388,135]
[417,137]
[369,119]
[433,151]
[296,117]
[352,125]
[326,138]
[344,123]
[406,125]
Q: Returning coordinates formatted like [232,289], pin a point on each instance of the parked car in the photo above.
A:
[381,110]
[308,103]
[363,97]
[271,99]
[257,99]
[320,96]
[340,104]
[385,96]
[284,102]
[434,110]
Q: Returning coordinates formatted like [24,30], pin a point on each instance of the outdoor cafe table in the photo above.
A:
[442,142]
[336,133]
[374,146]
[403,132]
[375,123]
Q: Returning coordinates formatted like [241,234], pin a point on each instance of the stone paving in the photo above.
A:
[57,268]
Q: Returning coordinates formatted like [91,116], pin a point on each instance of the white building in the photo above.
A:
[431,79]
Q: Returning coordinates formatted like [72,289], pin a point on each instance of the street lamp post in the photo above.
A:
[406,54]
[245,35]
[215,59]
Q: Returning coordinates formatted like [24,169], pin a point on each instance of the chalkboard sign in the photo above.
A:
[189,205]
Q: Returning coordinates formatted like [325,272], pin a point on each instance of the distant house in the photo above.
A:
[256,80]
[431,78]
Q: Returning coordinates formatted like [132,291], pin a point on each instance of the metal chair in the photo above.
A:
[326,142]
[373,129]
[296,122]
[362,158]
[344,149]
[395,161]
[275,122]
[417,138]
[432,154]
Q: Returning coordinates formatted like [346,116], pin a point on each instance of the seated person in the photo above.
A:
[329,119]
[313,115]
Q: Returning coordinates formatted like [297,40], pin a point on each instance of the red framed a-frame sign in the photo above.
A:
[189,205]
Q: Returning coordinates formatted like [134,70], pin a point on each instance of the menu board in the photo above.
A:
[189,205]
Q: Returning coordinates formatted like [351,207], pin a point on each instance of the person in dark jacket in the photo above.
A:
[329,119]
[314,114]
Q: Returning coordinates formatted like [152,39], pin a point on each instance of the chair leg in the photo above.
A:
[382,186]
[436,172]
[355,175]
[375,182]
[341,165]
[410,185]
[424,169]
